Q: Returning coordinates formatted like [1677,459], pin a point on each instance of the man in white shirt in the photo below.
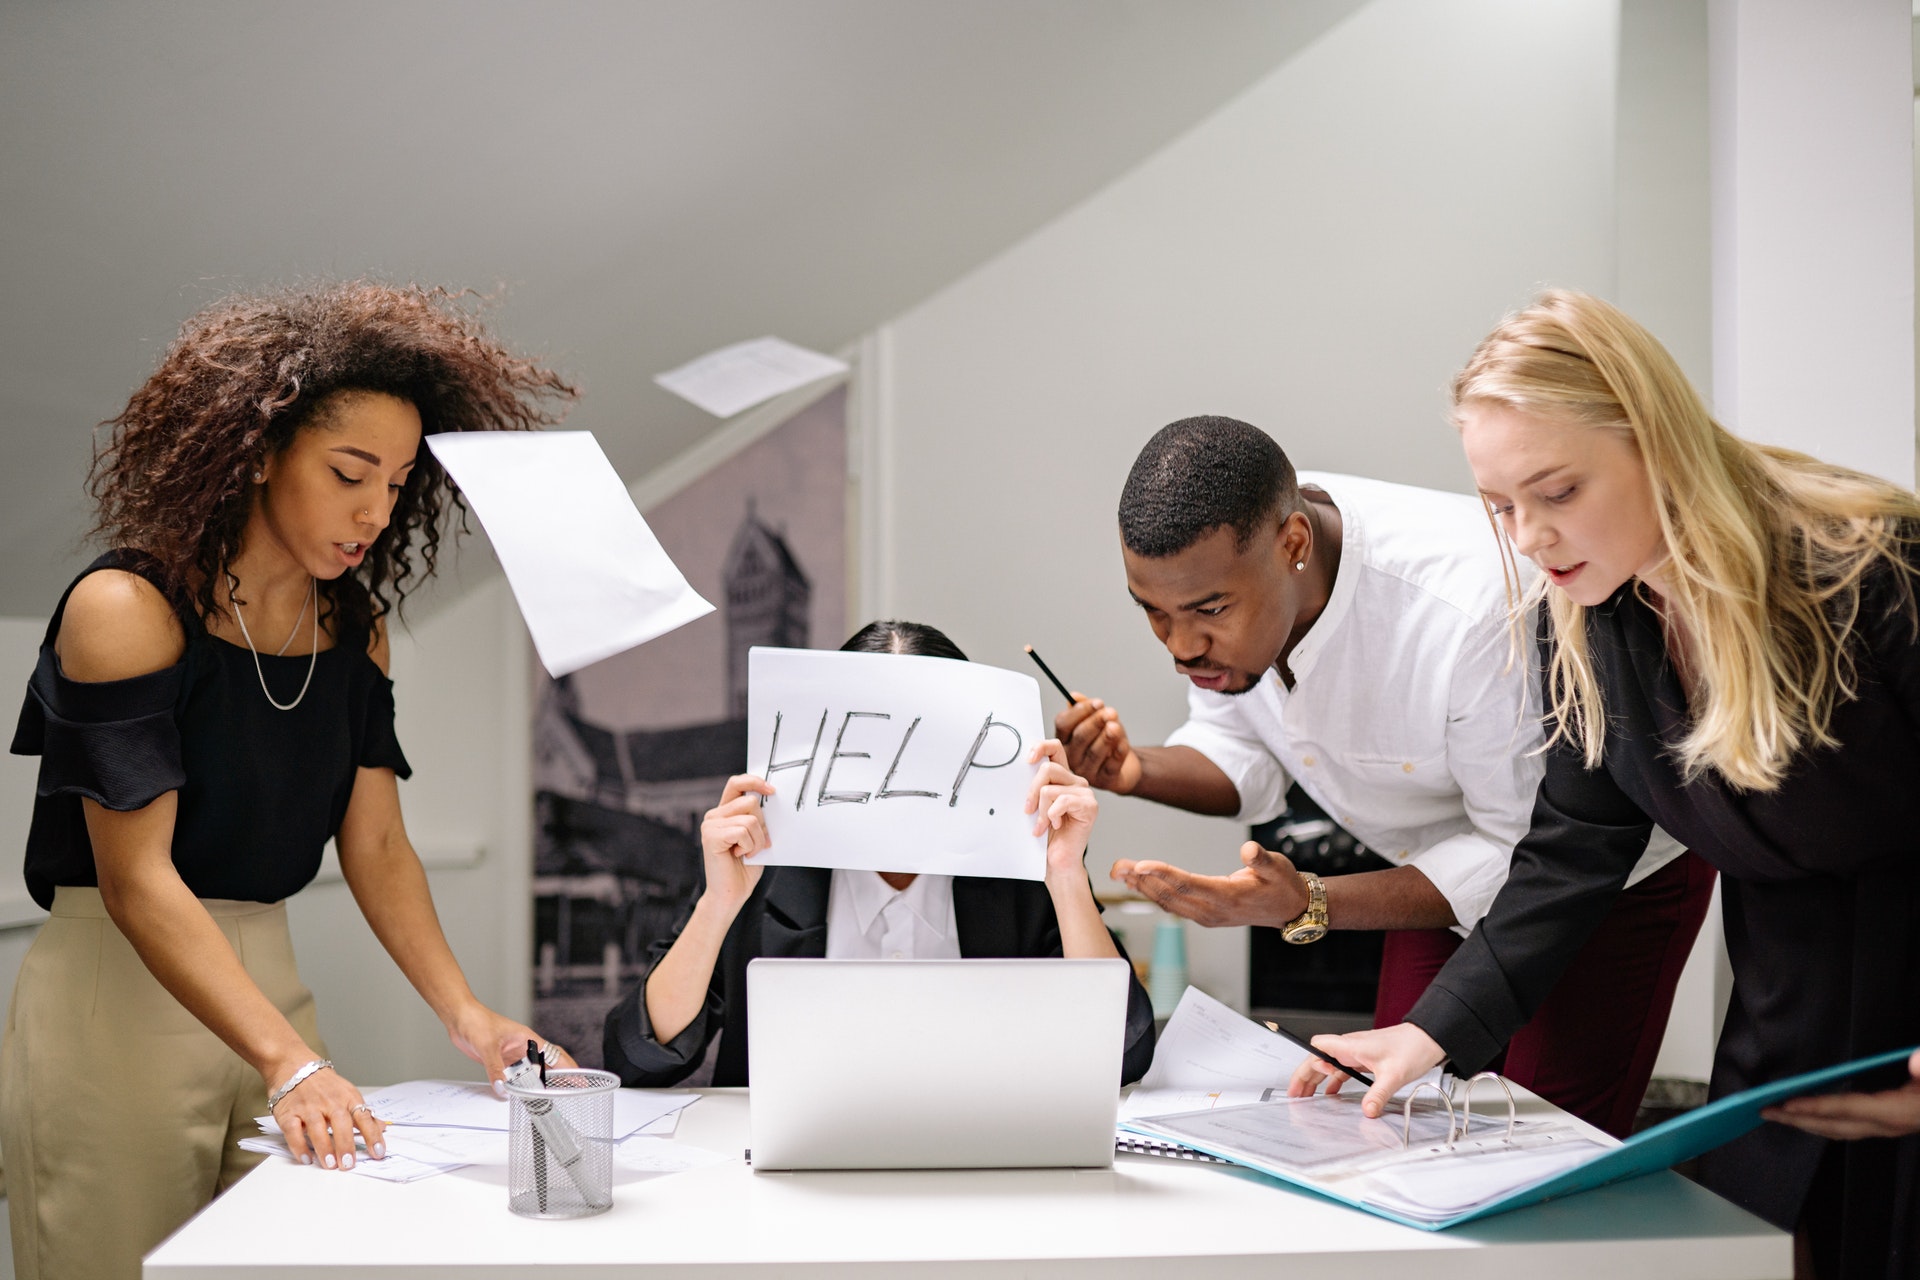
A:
[1356,637]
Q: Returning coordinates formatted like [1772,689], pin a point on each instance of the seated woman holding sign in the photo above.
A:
[697,989]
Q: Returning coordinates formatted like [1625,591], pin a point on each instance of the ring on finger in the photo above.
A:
[357,1108]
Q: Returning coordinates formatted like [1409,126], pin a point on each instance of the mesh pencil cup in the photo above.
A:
[560,1144]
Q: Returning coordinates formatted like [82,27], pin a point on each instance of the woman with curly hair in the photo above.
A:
[1732,650]
[211,706]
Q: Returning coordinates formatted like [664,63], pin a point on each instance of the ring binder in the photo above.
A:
[1455,1132]
[1406,1136]
[1466,1104]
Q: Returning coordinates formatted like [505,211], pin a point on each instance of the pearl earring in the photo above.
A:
[1299,566]
[259,477]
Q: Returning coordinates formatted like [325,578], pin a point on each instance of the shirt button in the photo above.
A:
[1406,768]
[1308,761]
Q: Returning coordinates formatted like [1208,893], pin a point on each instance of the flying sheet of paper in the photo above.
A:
[736,378]
[590,577]
[891,762]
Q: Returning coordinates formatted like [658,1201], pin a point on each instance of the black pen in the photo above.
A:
[1290,1038]
[1042,664]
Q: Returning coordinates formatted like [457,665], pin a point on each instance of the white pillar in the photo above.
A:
[1811,125]
[1812,143]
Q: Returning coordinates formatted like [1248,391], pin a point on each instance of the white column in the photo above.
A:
[1812,124]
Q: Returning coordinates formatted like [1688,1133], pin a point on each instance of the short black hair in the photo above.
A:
[903,637]
[1201,474]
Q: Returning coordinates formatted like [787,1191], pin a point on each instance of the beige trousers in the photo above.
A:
[119,1111]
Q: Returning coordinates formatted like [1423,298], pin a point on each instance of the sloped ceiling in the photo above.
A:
[640,182]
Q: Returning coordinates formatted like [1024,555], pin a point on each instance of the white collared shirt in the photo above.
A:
[1409,722]
[869,919]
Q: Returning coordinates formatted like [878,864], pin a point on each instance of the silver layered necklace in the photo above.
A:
[313,590]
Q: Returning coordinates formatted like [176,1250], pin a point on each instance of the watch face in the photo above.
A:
[1305,933]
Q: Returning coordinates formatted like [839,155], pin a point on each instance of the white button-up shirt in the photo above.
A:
[1411,721]
[869,919]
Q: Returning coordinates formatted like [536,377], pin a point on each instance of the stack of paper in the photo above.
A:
[437,1125]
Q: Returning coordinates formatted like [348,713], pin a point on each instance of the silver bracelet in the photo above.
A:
[294,1081]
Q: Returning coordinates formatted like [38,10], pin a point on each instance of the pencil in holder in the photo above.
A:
[560,1144]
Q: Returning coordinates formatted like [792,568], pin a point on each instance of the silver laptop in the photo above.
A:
[934,1064]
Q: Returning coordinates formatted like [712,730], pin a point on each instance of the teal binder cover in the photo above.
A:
[1650,1151]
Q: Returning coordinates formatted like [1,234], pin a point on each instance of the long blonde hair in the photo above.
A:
[1766,548]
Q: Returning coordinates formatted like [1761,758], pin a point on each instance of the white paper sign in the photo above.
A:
[891,762]
[736,378]
[590,577]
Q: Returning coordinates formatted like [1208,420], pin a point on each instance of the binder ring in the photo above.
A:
[1406,1134]
[1466,1102]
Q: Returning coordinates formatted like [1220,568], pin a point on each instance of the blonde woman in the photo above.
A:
[1733,652]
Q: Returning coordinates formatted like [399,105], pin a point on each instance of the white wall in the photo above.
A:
[1316,258]
[1813,227]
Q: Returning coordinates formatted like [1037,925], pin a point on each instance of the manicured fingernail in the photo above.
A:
[346,1161]
[329,1161]
[306,1159]
[379,1151]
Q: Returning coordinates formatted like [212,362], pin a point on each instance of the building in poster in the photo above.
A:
[617,850]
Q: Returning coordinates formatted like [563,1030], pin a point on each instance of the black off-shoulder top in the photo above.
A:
[261,791]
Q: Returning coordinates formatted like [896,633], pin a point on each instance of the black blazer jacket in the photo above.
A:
[1820,881]
[786,916]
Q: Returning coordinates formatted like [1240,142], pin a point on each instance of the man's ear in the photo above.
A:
[1293,539]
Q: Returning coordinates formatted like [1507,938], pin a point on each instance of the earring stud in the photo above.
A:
[259,477]
[1299,566]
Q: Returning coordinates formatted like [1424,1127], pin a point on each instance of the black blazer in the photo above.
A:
[786,916]
[1820,881]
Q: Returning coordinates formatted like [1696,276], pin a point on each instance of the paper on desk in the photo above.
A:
[734,379]
[1208,1048]
[470,1104]
[657,1155]
[894,762]
[394,1168]
[590,577]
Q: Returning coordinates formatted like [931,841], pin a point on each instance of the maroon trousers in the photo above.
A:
[1590,1047]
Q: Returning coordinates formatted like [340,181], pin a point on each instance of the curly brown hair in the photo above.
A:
[245,374]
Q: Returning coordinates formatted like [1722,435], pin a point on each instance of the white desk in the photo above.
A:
[1144,1217]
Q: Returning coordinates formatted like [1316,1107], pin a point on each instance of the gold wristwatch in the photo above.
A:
[1310,925]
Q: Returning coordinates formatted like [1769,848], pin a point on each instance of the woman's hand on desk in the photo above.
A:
[1064,807]
[1846,1116]
[732,831]
[1393,1056]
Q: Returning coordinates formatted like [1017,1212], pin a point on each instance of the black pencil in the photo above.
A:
[1291,1038]
[1042,664]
